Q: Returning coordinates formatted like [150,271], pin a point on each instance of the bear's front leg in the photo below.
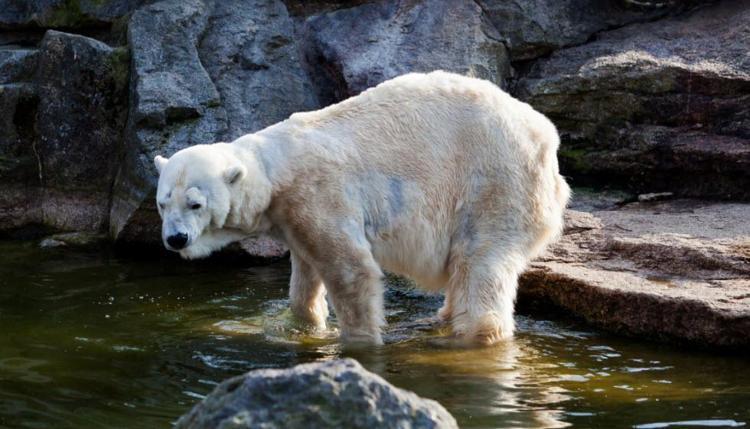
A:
[339,252]
[353,280]
[356,293]
[307,294]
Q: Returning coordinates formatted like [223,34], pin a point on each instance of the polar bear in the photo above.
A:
[442,178]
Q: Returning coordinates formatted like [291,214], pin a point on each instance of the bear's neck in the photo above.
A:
[271,151]
[252,195]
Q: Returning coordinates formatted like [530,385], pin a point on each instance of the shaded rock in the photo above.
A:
[656,107]
[17,107]
[63,111]
[82,90]
[74,239]
[675,270]
[18,163]
[538,27]
[17,64]
[69,14]
[81,85]
[337,393]
[352,49]
[202,72]
[655,196]
[304,8]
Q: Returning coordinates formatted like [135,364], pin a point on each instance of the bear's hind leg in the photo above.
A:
[483,293]
[307,294]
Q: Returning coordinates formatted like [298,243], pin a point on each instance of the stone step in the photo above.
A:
[672,270]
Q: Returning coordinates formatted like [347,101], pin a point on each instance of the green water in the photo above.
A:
[90,340]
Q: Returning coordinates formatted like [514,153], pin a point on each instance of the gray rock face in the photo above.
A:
[335,394]
[538,27]
[673,270]
[251,55]
[202,72]
[353,49]
[64,115]
[656,107]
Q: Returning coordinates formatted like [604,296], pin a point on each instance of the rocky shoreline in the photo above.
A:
[677,271]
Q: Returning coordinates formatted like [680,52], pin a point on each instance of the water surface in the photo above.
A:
[91,340]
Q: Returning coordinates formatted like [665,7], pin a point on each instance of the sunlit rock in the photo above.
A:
[675,270]
[339,393]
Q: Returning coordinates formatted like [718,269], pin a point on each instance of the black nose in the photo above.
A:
[177,241]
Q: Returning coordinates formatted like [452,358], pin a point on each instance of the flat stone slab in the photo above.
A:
[672,270]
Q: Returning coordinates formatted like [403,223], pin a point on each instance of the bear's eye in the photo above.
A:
[195,206]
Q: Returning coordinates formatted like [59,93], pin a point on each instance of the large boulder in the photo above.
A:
[63,108]
[202,72]
[660,106]
[335,394]
[674,270]
[82,91]
[349,50]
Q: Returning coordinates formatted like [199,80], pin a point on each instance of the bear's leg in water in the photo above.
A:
[482,294]
[307,294]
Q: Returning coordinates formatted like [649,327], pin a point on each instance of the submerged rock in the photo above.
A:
[334,394]
[675,270]
[656,107]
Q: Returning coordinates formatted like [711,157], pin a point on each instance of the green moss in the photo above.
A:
[68,14]
[119,30]
[118,64]
[574,158]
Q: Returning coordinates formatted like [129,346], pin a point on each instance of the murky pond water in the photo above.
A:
[89,340]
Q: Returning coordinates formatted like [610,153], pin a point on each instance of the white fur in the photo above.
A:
[442,178]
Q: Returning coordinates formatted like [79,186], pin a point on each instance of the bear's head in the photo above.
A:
[203,200]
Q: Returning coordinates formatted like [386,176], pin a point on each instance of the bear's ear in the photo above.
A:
[234,174]
[160,162]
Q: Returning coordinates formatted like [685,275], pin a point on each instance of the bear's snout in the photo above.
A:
[177,241]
